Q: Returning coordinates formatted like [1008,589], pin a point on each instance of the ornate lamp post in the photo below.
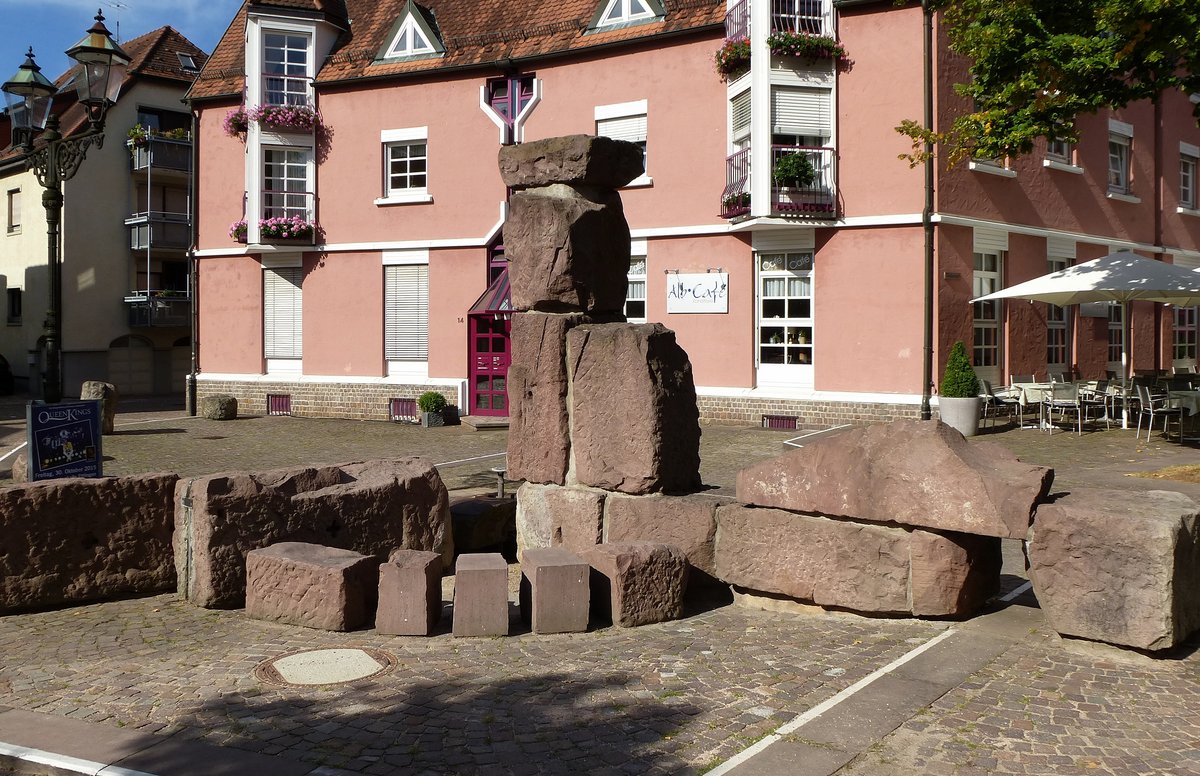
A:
[55,159]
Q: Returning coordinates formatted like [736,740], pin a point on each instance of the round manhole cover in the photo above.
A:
[324,666]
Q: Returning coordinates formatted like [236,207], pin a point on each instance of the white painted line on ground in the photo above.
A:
[156,420]
[58,761]
[1016,593]
[826,705]
[813,434]
[14,451]
[468,460]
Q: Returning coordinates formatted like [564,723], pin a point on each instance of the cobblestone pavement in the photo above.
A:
[673,698]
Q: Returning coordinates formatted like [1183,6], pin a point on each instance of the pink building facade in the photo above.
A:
[796,287]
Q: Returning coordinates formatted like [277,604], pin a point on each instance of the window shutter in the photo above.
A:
[631,128]
[406,313]
[741,113]
[282,312]
[799,111]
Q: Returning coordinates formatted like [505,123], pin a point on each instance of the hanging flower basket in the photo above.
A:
[238,229]
[285,118]
[733,58]
[236,122]
[811,47]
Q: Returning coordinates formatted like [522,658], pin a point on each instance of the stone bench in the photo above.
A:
[410,594]
[481,595]
[555,591]
[218,407]
[310,585]
[637,583]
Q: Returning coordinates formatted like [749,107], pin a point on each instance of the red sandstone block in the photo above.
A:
[410,593]
[555,593]
[481,595]
[310,585]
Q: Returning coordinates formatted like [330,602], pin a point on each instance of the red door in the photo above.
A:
[490,357]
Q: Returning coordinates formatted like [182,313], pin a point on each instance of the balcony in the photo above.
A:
[158,230]
[809,17]
[160,154]
[159,308]
[812,195]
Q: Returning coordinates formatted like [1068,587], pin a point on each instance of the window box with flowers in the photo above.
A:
[285,118]
[236,122]
[733,58]
[278,229]
[735,204]
[810,47]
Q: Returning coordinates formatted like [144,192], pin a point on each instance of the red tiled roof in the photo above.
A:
[474,32]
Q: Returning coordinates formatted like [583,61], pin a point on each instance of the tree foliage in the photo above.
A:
[1038,64]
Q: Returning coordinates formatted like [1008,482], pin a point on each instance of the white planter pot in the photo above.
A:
[961,414]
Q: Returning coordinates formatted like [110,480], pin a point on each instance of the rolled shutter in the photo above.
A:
[741,113]
[282,313]
[631,128]
[800,111]
[406,313]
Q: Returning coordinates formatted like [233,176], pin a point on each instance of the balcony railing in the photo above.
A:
[160,153]
[737,20]
[735,199]
[159,308]
[816,198]
[811,17]
[156,229]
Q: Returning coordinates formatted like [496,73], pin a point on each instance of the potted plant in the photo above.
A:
[431,405]
[958,396]
[733,58]
[794,170]
[810,47]
[237,122]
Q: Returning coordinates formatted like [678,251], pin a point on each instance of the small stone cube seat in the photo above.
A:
[410,593]
[555,590]
[637,583]
[311,585]
[481,595]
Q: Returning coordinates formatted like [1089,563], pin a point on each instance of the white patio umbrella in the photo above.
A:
[1118,277]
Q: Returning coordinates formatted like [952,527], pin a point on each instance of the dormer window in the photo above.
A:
[285,69]
[187,62]
[618,12]
[414,35]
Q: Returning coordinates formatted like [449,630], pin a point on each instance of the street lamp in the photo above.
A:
[55,159]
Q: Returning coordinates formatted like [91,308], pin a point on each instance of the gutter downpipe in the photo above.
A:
[193,274]
[927,214]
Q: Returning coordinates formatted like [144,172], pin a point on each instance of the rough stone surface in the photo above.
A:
[108,395]
[1118,566]
[410,594]
[952,574]
[635,427]
[552,516]
[72,540]
[687,522]
[484,523]
[370,507]
[555,591]
[539,443]
[568,250]
[20,468]
[637,583]
[310,585]
[834,563]
[910,472]
[481,595]
[219,406]
[577,159]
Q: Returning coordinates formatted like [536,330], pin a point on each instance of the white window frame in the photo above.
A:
[1120,161]
[1189,162]
[1061,155]
[987,324]
[1183,336]
[13,211]
[620,12]
[405,42]
[415,367]
[791,336]
[627,121]
[309,190]
[392,138]
[1058,325]
[288,31]
[635,289]
[283,326]
[1116,338]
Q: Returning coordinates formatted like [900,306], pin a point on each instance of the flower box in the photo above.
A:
[733,58]
[285,118]
[810,47]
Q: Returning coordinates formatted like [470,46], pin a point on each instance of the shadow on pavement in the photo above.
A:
[546,723]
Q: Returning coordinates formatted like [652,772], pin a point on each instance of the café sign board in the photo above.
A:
[64,439]
[698,292]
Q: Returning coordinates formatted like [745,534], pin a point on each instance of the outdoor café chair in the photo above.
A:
[993,403]
[1066,399]
[1149,404]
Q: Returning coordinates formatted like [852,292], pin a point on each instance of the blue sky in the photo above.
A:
[53,26]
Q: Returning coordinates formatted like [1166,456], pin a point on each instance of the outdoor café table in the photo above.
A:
[1190,402]
[1031,393]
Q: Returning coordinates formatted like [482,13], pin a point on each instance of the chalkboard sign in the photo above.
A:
[64,439]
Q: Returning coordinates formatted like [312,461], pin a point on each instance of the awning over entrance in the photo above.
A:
[496,299]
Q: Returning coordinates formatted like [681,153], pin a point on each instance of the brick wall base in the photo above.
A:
[371,402]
